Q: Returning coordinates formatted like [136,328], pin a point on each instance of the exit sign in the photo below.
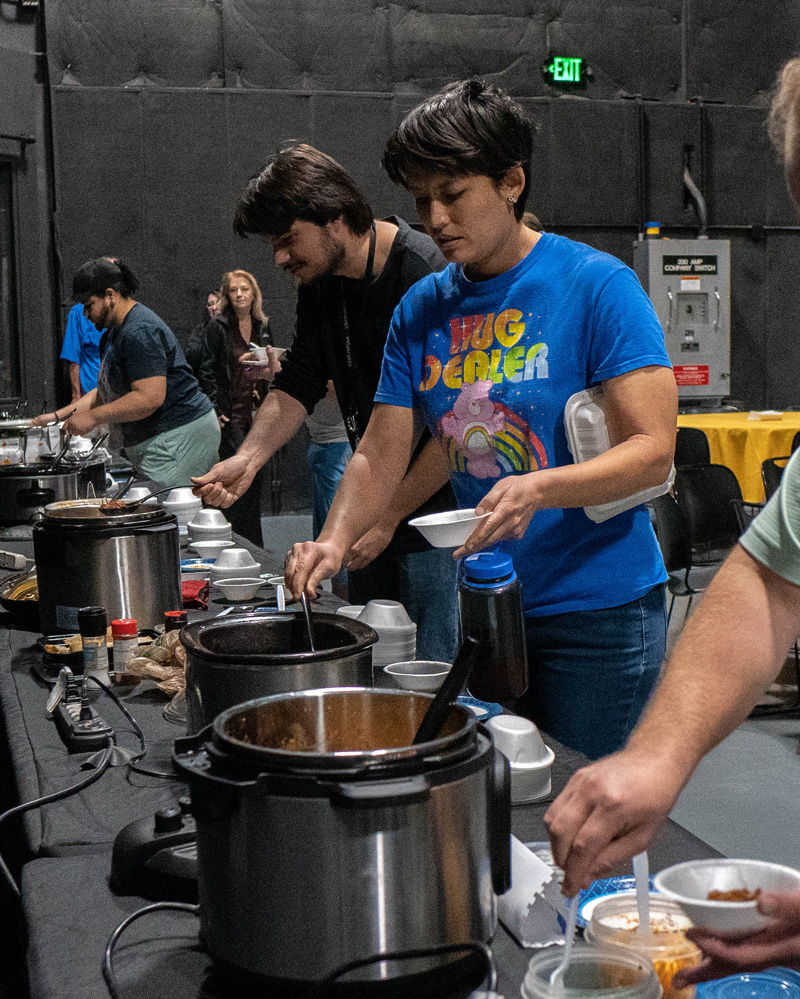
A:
[566,71]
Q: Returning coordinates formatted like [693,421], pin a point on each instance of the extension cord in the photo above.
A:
[12,560]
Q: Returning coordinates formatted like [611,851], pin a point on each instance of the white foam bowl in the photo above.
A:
[210,549]
[418,675]
[689,883]
[139,493]
[386,614]
[530,759]
[229,558]
[209,517]
[239,587]
[350,610]
[219,572]
[199,533]
[449,529]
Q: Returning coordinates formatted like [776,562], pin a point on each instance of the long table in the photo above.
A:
[743,444]
[69,909]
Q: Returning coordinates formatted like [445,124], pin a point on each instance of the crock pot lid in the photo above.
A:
[20,423]
[34,470]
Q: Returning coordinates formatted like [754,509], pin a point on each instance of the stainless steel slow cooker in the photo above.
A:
[234,659]
[324,836]
[25,490]
[127,562]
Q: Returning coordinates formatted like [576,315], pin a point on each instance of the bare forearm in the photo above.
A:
[277,420]
[730,650]
[128,408]
[636,464]
[426,476]
[75,380]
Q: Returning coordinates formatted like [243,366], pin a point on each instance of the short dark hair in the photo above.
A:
[300,183]
[93,277]
[467,128]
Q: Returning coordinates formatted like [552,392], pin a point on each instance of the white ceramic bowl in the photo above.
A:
[210,549]
[449,529]
[689,883]
[239,587]
[418,675]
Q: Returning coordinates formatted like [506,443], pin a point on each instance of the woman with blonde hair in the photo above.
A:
[235,383]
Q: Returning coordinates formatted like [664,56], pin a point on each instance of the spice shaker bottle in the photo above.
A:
[92,626]
[490,605]
[174,620]
[125,633]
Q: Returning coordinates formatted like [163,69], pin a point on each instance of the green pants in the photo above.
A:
[172,458]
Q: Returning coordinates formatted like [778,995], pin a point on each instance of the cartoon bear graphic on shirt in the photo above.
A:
[473,422]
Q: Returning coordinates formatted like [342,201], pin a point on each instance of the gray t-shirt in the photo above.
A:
[774,536]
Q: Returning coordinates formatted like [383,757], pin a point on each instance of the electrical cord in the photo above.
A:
[132,763]
[108,962]
[49,799]
[473,947]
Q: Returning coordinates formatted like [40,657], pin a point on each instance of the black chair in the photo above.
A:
[691,447]
[795,442]
[771,472]
[705,494]
[672,532]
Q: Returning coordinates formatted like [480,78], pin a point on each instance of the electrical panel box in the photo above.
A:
[689,283]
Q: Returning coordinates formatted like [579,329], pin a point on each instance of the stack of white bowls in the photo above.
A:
[183,503]
[209,525]
[234,563]
[397,633]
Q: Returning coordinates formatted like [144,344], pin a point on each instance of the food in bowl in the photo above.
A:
[734,895]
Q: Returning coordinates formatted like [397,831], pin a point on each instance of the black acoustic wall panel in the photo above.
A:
[163,111]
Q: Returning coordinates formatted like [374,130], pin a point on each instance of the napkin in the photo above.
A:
[766,414]
[533,910]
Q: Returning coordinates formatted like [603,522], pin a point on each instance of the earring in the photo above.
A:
[512,199]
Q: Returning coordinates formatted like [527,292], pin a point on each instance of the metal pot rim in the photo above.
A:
[191,635]
[293,760]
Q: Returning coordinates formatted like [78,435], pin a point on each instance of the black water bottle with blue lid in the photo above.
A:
[490,606]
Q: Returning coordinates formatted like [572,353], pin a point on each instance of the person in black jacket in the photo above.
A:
[352,270]
[236,384]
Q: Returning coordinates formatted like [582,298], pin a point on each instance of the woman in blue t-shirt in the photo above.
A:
[489,351]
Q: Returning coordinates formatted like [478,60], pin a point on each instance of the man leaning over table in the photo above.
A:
[731,649]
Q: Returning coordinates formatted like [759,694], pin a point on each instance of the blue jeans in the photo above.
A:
[591,672]
[327,463]
[426,584]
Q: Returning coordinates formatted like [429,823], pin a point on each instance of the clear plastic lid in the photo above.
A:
[593,973]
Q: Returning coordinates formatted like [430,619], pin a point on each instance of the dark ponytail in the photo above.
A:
[93,277]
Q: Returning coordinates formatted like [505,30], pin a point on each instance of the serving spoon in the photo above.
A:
[307,612]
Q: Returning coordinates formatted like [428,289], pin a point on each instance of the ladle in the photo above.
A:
[130,504]
[445,698]
[569,937]
[307,612]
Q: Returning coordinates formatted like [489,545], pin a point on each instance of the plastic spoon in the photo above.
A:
[641,872]
[280,597]
[569,936]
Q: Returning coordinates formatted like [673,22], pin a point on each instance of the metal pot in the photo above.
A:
[25,490]
[234,659]
[324,836]
[128,563]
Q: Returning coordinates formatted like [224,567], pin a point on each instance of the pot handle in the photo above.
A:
[499,817]
[403,790]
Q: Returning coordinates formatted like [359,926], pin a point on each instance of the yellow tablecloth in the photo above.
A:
[742,444]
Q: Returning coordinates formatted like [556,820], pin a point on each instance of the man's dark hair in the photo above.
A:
[93,277]
[300,183]
[467,128]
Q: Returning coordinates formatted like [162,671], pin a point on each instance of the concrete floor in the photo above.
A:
[744,798]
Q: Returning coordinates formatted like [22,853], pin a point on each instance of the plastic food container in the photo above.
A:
[615,922]
[593,973]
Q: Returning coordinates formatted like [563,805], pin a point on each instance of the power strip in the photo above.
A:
[82,735]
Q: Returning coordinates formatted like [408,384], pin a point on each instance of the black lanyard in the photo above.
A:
[351,417]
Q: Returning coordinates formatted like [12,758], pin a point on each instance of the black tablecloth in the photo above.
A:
[69,909]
